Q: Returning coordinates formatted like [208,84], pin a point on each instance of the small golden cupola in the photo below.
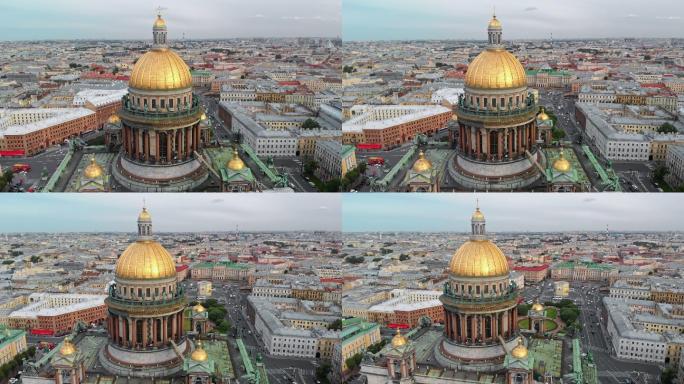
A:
[561,164]
[93,170]
[235,163]
[422,164]
[542,115]
[68,348]
[520,351]
[198,308]
[537,306]
[199,354]
[399,340]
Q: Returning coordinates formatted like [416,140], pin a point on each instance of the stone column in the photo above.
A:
[140,143]
[168,147]
[173,328]
[499,144]
[133,332]
[165,333]
[390,367]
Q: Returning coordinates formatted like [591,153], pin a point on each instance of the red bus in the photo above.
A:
[376,160]
[368,146]
[42,332]
[16,153]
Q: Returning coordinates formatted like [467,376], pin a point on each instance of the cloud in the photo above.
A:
[668,17]
[529,9]
[631,15]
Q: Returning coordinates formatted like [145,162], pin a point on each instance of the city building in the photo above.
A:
[160,119]
[58,313]
[583,271]
[221,271]
[393,125]
[328,158]
[356,336]
[674,162]
[408,307]
[12,343]
[533,273]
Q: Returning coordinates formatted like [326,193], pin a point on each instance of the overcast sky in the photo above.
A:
[132,19]
[178,212]
[521,19]
[519,212]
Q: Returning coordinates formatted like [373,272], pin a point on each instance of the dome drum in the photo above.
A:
[479,305]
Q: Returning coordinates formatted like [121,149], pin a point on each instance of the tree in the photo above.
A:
[216,314]
[558,134]
[647,57]
[310,167]
[310,124]
[404,257]
[354,361]
[668,376]
[569,315]
[223,326]
[115,70]
[523,309]
[7,262]
[354,259]
[322,372]
[335,325]
[210,303]
[36,259]
[375,348]
[347,69]
[667,128]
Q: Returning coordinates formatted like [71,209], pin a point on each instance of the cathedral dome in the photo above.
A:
[145,259]
[68,348]
[160,70]
[542,115]
[478,257]
[199,354]
[495,69]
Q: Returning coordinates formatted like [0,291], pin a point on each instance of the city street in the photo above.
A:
[48,161]
[281,370]
[594,336]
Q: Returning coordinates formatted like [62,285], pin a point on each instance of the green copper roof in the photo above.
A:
[227,264]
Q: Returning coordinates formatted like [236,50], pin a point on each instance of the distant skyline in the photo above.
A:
[512,212]
[130,19]
[364,20]
[177,212]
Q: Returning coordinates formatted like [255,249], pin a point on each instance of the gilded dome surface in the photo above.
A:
[561,164]
[93,170]
[477,215]
[68,348]
[399,340]
[422,164]
[143,260]
[478,258]
[159,22]
[542,115]
[494,22]
[198,308]
[495,69]
[160,70]
[113,119]
[235,163]
[537,306]
[199,354]
[144,215]
[520,351]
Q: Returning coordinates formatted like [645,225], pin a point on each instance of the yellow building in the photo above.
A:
[561,288]
[348,159]
[357,335]
[12,343]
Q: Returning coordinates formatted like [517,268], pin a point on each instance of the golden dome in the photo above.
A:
[542,115]
[235,163]
[198,308]
[68,348]
[159,22]
[478,258]
[93,170]
[495,69]
[520,351]
[203,117]
[144,215]
[160,70]
[494,23]
[477,215]
[143,260]
[422,164]
[399,340]
[113,119]
[199,354]
[537,306]
[561,164]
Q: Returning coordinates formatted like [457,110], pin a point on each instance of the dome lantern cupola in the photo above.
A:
[159,32]
[144,225]
[477,224]
[494,31]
